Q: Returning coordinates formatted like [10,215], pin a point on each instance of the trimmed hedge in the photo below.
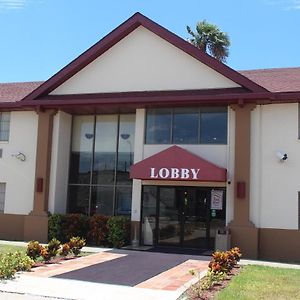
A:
[96,230]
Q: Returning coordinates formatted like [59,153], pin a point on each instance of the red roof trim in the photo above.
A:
[118,34]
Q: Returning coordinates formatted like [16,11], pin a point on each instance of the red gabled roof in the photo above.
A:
[276,80]
[122,31]
[16,91]
[167,159]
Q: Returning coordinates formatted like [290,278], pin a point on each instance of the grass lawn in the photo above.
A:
[258,282]
[9,248]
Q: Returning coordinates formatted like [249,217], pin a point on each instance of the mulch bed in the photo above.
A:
[211,293]
[55,260]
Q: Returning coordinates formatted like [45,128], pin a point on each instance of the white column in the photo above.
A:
[138,156]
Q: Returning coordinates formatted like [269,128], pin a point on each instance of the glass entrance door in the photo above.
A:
[181,216]
[184,217]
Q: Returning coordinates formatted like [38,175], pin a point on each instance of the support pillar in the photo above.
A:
[36,223]
[243,232]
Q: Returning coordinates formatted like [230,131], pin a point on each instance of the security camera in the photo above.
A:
[282,156]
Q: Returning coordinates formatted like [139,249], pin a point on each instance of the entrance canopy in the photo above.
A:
[178,164]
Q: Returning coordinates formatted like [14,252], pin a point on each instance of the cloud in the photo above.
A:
[13,4]
[286,4]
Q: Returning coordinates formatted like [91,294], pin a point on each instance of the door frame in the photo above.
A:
[181,238]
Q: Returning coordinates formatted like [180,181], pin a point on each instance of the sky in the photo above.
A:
[39,37]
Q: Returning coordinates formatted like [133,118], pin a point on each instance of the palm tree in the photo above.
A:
[209,38]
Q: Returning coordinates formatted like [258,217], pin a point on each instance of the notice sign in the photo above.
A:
[216,199]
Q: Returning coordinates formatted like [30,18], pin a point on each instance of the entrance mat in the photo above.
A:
[174,250]
[129,270]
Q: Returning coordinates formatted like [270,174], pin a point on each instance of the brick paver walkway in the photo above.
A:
[73,264]
[176,277]
[172,279]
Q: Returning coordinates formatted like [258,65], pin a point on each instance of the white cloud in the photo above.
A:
[286,4]
[12,4]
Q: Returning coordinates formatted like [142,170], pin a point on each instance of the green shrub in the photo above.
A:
[34,249]
[118,231]
[76,244]
[53,247]
[55,222]
[98,230]
[74,225]
[63,227]
[10,263]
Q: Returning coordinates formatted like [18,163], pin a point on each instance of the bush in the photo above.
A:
[55,222]
[98,230]
[118,231]
[74,225]
[34,249]
[65,250]
[76,244]
[45,254]
[53,247]
[10,263]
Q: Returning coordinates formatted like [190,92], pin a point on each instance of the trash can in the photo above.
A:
[222,241]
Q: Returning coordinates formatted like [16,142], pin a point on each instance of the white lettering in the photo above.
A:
[164,173]
[195,173]
[174,173]
[152,173]
[185,173]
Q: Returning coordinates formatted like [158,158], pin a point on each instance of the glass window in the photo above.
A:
[102,147]
[186,126]
[213,127]
[102,201]
[79,199]
[105,149]
[158,126]
[149,215]
[123,200]
[4,126]
[2,196]
[82,149]
[125,149]
[205,125]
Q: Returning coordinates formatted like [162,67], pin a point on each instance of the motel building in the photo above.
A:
[144,124]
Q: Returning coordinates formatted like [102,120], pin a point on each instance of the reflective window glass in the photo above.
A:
[213,127]
[102,201]
[186,126]
[79,199]
[105,149]
[82,149]
[158,126]
[123,198]
[125,148]
[4,126]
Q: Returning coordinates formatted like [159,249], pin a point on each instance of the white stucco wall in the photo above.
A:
[142,61]
[275,184]
[19,176]
[60,157]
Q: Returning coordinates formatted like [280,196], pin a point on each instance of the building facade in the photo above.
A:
[144,124]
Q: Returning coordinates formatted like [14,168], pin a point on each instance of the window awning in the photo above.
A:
[177,164]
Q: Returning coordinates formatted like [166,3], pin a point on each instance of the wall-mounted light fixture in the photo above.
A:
[20,156]
[282,156]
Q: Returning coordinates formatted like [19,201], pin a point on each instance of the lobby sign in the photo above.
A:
[174,173]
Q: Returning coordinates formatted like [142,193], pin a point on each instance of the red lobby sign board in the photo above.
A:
[176,163]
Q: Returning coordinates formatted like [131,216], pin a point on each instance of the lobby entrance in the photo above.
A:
[181,216]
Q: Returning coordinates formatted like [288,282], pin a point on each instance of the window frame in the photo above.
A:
[4,196]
